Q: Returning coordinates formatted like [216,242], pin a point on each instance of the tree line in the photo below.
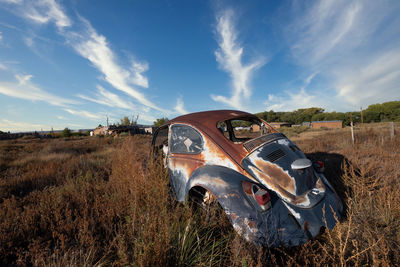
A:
[388,111]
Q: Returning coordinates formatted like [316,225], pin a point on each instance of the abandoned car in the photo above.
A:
[272,194]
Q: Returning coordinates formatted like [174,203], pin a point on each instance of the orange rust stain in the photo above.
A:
[233,216]
[280,177]
[252,224]
[320,185]
[292,198]
[218,155]
[281,191]
[247,187]
[188,165]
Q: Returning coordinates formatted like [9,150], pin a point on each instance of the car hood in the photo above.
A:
[283,168]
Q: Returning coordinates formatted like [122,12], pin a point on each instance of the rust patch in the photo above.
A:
[213,154]
[247,187]
[281,178]
[186,166]
[272,185]
[252,224]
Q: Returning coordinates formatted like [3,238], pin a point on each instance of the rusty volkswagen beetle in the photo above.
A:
[272,194]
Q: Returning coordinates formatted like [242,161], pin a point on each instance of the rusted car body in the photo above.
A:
[272,194]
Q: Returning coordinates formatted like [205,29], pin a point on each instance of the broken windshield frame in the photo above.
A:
[240,130]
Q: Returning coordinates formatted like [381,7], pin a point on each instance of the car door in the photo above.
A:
[160,144]
[185,147]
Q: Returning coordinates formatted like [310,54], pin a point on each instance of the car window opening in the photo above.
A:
[241,130]
[185,140]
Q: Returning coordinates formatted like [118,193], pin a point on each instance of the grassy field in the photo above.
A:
[101,201]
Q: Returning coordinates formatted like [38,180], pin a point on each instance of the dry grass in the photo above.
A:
[101,201]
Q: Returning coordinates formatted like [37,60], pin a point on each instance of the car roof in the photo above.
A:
[210,118]
[206,122]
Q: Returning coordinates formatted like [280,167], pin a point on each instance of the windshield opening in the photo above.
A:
[243,129]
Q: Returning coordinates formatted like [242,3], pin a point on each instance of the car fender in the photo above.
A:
[226,185]
[269,228]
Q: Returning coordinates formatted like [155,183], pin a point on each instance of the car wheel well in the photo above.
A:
[212,213]
[197,194]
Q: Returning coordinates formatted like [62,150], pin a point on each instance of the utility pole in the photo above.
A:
[352,130]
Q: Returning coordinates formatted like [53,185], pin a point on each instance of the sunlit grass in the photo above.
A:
[102,201]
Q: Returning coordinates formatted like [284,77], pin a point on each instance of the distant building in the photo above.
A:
[255,128]
[326,124]
[277,125]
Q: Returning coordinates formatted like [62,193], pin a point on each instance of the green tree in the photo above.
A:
[66,133]
[160,121]
[125,121]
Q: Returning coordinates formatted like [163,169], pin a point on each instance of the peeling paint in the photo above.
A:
[295,214]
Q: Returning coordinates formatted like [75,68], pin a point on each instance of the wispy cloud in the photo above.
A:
[229,56]
[44,11]
[25,89]
[85,114]
[290,101]
[180,106]
[12,1]
[136,72]
[2,67]
[88,43]
[353,45]
[18,126]
[95,48]
[28,40]
[377,81]
[107,98]
[322,28]
[13,126]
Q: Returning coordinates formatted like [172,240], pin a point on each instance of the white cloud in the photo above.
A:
[290,101]
[44,11]
[137,76]
[107,98]
[85,114]
[28,40]
[95,48]
[304,98]
[322,28]
[18,2]
[377,81]
[2,67]
[13,126]
[179,108]
[352,45]
[229,56]
[18,126]
[25,89]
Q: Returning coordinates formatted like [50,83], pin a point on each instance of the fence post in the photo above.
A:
[391,130]
[352,132]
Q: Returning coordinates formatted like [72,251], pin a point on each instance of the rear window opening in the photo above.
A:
[241,130]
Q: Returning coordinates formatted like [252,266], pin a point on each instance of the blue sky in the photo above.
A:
[73,63]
